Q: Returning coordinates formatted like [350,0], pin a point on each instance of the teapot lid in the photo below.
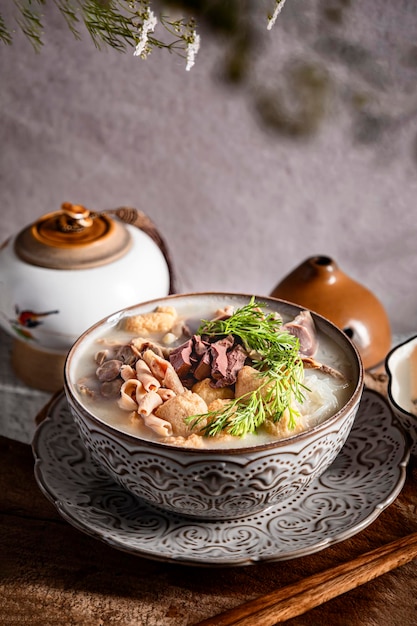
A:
[73,238]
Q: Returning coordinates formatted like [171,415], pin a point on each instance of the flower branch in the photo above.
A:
[123,24]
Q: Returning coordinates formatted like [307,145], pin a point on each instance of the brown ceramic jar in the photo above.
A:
[320,285]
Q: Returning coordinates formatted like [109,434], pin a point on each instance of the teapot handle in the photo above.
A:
[137,218]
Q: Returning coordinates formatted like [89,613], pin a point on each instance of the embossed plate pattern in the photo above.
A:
[365,478]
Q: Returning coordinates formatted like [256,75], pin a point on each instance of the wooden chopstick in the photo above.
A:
[298,598]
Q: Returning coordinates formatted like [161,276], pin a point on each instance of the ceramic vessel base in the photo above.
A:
[37,368]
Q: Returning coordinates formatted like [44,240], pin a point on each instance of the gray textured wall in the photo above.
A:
[240,199]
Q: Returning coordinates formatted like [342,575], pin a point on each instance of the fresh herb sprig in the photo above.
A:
[275,354]
[238,417]
[258,331]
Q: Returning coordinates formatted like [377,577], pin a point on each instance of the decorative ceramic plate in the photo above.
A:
[365,478]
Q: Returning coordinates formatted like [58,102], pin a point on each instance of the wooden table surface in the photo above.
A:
[53,574]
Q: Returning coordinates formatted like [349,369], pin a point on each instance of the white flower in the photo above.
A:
[278,8]
[148,26]
[192,49]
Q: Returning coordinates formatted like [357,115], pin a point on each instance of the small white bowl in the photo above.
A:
[398,368]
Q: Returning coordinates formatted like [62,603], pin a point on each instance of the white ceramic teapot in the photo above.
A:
[67,271]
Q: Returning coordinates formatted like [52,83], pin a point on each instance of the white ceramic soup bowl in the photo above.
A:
[215,483]
[399,367]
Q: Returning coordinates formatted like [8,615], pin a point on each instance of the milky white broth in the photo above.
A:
[108,411]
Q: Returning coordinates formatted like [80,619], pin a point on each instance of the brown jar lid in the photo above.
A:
[73,238]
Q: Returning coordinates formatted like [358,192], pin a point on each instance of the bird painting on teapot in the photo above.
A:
[27,319]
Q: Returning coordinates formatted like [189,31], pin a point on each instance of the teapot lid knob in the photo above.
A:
[77,215]
[73,238]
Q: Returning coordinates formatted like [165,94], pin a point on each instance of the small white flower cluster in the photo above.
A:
[148,26]
[192,49]
[146,22]
[279,5]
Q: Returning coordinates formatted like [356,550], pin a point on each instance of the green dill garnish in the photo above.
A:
[258,331]
[275,354]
